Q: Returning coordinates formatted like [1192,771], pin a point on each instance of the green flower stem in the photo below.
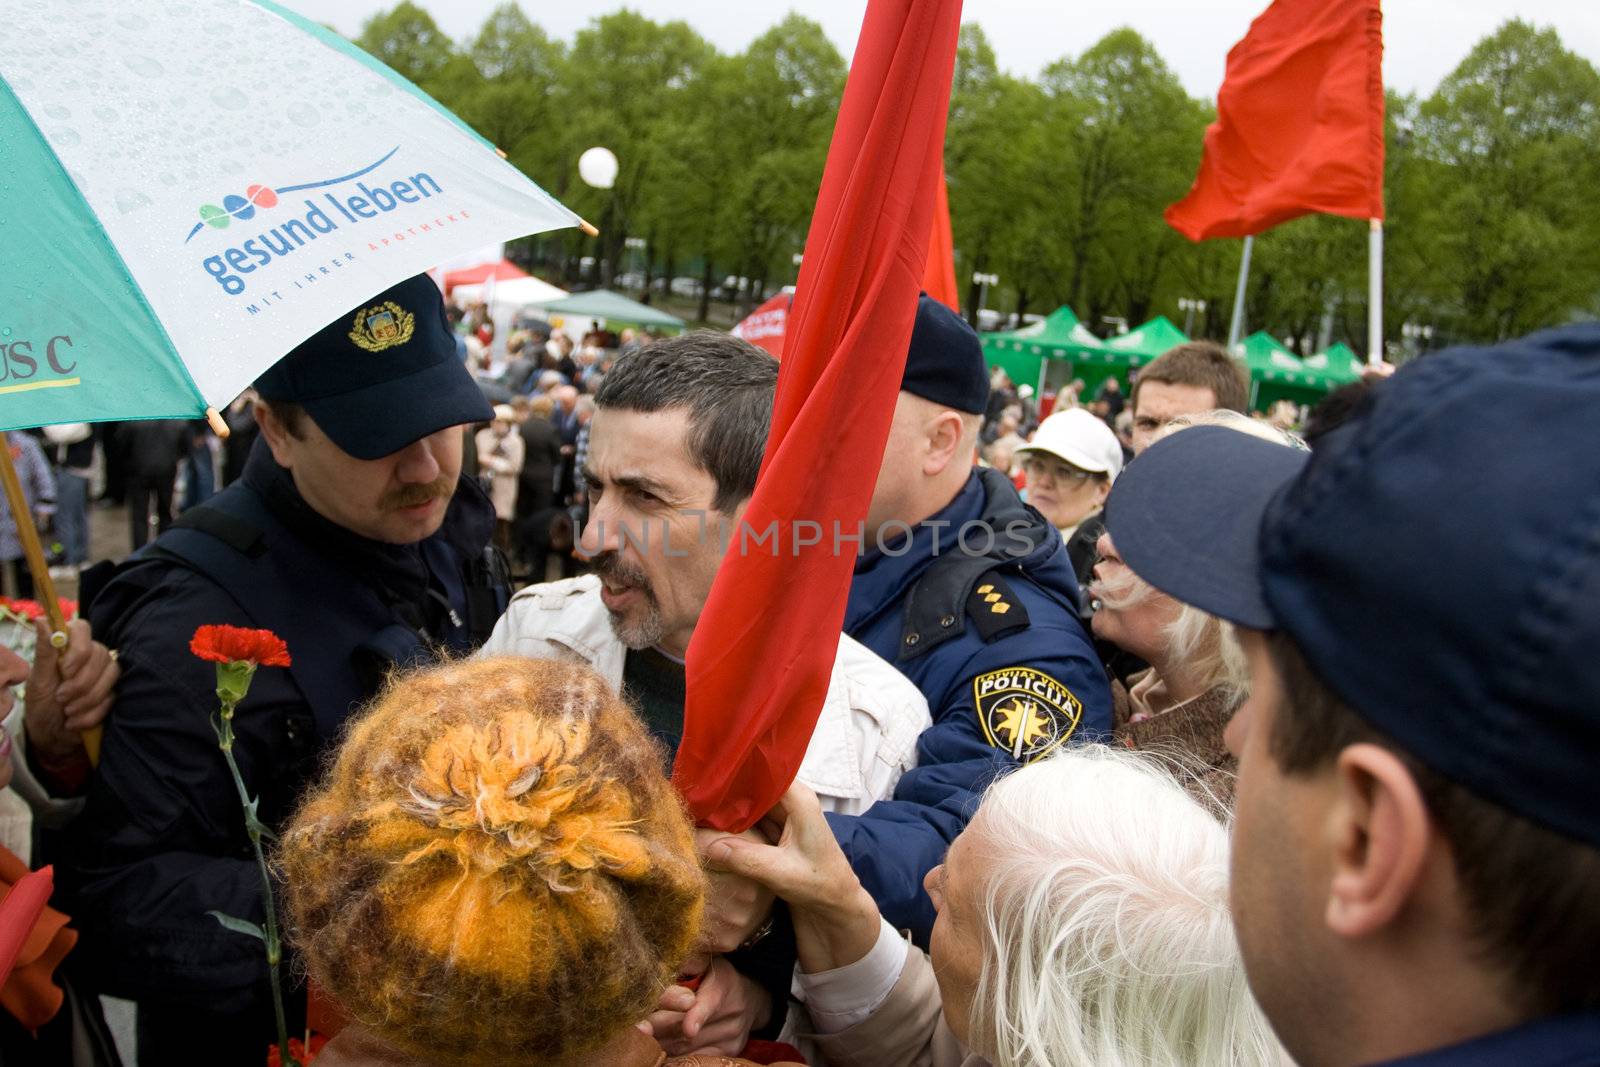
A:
[230,693]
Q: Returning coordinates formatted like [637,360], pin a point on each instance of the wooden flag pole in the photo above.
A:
[44,586]
[1236,326]
[1375,293]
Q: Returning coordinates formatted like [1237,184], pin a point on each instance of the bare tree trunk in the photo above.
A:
[705,291]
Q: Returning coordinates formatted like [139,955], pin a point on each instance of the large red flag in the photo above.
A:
[1299,123]
[939,280]
[763,651]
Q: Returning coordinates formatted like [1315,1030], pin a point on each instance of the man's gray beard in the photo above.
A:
[645,633]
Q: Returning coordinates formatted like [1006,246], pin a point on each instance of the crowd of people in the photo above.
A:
[1238,745]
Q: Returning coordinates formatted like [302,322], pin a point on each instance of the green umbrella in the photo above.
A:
[1059,340]
[1278,374]
[1339,364]
[1148,341]
[612,307]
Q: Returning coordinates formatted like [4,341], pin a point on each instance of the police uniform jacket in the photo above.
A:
[866,735]
[161,841]
[990,633]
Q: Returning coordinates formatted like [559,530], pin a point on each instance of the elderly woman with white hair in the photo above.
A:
[1196,678]
[1082,920]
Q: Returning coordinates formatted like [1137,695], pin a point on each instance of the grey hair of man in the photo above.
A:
[724,383]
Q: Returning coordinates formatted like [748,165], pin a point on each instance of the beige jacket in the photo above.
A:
[501,459]
[865,739]
[907,1030]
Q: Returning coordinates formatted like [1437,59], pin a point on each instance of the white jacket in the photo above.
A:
[865,739]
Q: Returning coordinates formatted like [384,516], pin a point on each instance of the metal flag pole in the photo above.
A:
[1236,326]
[1375,292]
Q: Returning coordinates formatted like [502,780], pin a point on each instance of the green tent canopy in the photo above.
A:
[614,308]
[1148,341]
[1053,351]
[1339,364]
[1278,374]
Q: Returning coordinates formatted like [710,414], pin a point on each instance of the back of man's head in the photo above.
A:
[1424,694]
[725,384]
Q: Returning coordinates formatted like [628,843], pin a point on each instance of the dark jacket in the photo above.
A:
[1564,1041]
[991,636]
[151,449]
[540,462]
[162,841]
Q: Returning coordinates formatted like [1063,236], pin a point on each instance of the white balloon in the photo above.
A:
[598,167]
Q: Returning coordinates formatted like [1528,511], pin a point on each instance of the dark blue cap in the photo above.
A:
[382,375]
[945,361]
[1437,562]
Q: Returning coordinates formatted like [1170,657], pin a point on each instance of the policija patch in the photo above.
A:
[1025,712]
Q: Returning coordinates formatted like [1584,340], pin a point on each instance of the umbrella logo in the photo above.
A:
[383,326]
[244,207]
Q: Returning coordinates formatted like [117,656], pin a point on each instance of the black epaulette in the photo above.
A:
[947,595]
[994,609]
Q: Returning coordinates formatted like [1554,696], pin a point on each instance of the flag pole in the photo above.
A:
[44,586]
[1375,292]
[1236,326]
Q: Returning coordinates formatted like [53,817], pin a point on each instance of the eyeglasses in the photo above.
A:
[1061,472]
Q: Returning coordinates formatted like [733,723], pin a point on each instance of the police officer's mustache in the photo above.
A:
[409,496]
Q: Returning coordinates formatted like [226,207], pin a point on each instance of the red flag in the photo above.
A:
[1299,123]
[939,280]
[763,651]
[766,324]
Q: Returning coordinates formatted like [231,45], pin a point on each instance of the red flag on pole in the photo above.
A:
[939,281]
[763,651]
[764,327]
[1299,123]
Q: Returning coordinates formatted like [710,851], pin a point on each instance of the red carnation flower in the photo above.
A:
[300,1051]
[28,609]
[235,644]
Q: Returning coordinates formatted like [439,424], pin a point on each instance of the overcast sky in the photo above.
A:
[1424,39]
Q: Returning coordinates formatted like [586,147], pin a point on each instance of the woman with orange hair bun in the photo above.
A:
[495,871]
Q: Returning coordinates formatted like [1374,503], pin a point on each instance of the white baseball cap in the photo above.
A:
[1080,439]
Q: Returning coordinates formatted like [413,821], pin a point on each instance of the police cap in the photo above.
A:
[945,361]
[1437,561]
[382,375]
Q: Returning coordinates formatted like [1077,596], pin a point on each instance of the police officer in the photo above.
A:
[350,535]
[971,594]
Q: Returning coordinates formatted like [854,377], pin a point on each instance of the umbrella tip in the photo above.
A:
[588,227]
[218,426]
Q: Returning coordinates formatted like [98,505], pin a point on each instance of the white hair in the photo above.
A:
[1206,645]
[1233,421]
[1108,941]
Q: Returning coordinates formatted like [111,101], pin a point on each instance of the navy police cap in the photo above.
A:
[382,375]
[945,361]
[1437,562]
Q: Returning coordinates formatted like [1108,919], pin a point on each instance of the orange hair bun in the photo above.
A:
[496,868]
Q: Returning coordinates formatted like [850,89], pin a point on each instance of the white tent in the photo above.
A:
[506,298]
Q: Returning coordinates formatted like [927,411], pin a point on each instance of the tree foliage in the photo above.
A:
[1057,184]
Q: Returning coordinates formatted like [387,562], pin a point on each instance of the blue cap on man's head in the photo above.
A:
[945,361]
[382,375]
[1437,562]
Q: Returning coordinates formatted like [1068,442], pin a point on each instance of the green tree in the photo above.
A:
[408,40]
[1511,135]
[1136,140]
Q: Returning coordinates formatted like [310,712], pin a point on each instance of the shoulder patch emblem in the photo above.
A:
[1025,712]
